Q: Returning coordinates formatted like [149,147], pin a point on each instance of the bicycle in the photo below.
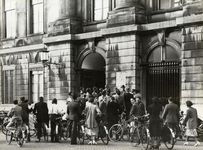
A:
[140,132]
[102,134]
[62,129]
[6,120]
[44,131]
[168,136]
[120,130]
[19,133]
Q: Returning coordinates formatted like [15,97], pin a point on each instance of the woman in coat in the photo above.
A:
[191,123]
[92,126]
[154,111]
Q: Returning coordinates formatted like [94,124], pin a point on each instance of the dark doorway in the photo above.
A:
[91,78]
[93,71]
[163,75]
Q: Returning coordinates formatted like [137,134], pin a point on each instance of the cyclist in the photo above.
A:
[16,112]
[171,115]
[25,116]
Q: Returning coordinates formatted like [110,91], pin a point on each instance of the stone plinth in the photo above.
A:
[126,16]
[65,26]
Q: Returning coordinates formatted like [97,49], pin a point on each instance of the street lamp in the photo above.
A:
[47,63]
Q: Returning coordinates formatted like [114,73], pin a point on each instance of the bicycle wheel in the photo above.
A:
[145,137]
[126,133]
[9,136]
[134,136]
[20,137]
[3,128]
[64,131]
[45,134]
[115,132]
[58,133]
[168,137]
[81,135]
[103,134]
[33,132]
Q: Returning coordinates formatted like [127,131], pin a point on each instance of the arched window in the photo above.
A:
[166,53]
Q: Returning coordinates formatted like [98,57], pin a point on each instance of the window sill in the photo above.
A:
[36,34]
[8,39]
[94,22]
[165,10]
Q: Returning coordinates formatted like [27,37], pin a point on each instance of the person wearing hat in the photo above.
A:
[154,111]
[190,122]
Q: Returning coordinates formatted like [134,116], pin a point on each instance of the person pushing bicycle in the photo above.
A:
[16,112]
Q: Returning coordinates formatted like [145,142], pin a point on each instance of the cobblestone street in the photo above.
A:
[123,145]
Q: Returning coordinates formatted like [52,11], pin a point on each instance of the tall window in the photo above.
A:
[166,4]
[10,18]
[37,85]
[37,16]
[101,8]
[8,87]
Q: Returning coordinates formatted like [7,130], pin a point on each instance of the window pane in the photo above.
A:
[155,56]
[165,4]
[97,4]
[171,53]
[105,3]
[12,4]
[105,11]
[37,17]
[9,4]
[8,87]
[10,24]
[98,15]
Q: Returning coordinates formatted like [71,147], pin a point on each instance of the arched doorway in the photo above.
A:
[93,71]
[162,69]
[91,68]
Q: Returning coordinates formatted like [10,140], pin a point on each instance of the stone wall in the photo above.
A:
[192,69]
[123,56]
[61,81]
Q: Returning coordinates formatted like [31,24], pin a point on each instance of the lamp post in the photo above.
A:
[47,63]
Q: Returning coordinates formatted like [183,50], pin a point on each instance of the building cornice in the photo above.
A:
[21,49]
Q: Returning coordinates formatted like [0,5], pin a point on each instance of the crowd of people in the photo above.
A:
[109,106]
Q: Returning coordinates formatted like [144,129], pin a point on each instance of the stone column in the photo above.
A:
[68,8]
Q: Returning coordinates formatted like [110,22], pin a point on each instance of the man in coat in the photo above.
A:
[171,115]
[41,112]
[74,113]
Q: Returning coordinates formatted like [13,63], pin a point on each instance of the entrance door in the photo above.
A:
[93,71]
[163,75]
[163,81]
[91,78]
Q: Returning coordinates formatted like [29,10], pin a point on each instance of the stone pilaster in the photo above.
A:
[123,57]
[192,69]
[61,81]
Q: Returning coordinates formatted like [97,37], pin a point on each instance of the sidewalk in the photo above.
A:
[64,145]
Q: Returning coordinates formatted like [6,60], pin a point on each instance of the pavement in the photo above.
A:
[64,145]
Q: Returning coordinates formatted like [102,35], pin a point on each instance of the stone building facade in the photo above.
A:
[155,46]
